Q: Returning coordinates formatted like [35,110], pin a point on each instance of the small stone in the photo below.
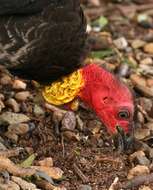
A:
[142,18]
[146,103]
[24,184]
[38,111]
[141,133]
[12,103]
[150,82]
[18,129]
[138,171]
[69,121]
[146,69]
[143,161]
[19,85]
[9,186]
[121,43]
[22,96]
[148,48]
[48,162]
[147,61]
[136,154]
[85,187]
[123,70]
[136,79]
[145,188]
[133,61]
[10,118]
[149,125]
[5,80]
[11,136]
[140,158]
[138,44]
[2,146]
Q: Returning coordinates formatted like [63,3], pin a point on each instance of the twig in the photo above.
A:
[112,187]
[80,174]
[54,108]
[63,146]
[109,159]
[11,153]
[47,186]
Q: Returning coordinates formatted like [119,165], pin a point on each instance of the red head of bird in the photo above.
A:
[108,97]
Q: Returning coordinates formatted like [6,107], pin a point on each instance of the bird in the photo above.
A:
[45,41]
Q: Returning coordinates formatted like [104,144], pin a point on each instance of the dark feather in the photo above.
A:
[46,45]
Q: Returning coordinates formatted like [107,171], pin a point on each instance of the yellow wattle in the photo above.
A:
[65,90]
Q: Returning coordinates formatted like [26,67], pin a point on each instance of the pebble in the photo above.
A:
[12,103]
[146,103]
[140,158]
[19,85]
[137,44]
[143,161]
[69,121]
[148,48]
[140,85]
[48,162]
[150,82]
[12,137]
[145,188]
[141,133]
[13,118]
[22,96]
[85,187]
[18,129]
[121,43]
[38,111]
[137,171]
[2,146]
[5,80]
[9,186]
[123,70]
[22,183]
[146,69]
[146,61]
[136,79]
[149,125]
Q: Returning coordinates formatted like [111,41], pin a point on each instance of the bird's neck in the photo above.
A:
[77,84]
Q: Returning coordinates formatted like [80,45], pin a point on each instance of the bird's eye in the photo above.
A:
[124,114]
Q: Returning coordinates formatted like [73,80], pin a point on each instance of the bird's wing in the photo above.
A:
[8,7]
[45,46]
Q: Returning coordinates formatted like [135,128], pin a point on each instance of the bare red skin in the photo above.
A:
[107,95]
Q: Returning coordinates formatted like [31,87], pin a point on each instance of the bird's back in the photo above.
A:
[43,45]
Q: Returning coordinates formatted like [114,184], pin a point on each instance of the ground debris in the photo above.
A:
[23,184]
[120,39]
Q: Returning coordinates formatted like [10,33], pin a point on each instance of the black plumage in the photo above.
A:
[41,40]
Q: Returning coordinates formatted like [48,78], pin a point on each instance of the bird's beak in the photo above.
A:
[122,141]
